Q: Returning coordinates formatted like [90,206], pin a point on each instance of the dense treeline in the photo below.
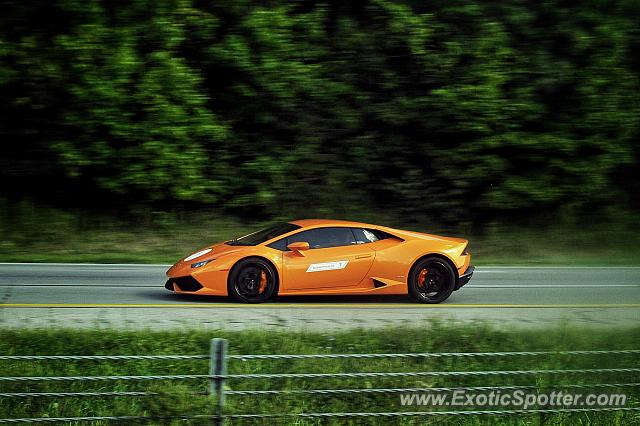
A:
[449,110]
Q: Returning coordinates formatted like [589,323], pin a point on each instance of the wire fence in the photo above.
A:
[217,377]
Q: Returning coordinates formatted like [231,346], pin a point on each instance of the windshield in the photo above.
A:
[263,235]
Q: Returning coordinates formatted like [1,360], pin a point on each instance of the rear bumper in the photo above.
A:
[464,278]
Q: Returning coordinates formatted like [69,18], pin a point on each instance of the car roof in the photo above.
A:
[312,223]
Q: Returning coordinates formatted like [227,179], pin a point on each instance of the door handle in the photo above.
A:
[363,256]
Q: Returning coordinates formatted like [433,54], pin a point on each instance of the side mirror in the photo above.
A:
[299,247]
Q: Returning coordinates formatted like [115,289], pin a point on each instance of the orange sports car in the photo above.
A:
[324,257]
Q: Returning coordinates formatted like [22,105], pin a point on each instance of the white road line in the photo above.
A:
[488,268]
[468,286]
[558,267]
[151,265]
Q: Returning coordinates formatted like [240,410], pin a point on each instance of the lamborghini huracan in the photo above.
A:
[326,257]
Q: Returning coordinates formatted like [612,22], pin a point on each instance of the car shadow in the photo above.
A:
[166,296]
[343,299]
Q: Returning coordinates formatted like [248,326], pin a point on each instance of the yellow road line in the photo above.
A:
[327,305]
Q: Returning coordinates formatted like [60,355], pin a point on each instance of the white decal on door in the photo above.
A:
[327,266]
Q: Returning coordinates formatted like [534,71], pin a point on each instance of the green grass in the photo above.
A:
[181,397]
[40,234]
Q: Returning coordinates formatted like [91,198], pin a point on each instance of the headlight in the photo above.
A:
[201,263]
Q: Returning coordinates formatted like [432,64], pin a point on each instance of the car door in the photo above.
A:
[334,259]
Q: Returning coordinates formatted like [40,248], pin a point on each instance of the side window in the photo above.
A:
[324,237]
[365,235]
[279,245]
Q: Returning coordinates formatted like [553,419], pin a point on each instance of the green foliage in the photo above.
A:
[137,113]
[449,111]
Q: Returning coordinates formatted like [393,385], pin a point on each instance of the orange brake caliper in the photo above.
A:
[263,281]
[422,277]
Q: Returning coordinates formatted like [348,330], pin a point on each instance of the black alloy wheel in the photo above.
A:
[252,280]
[432,280]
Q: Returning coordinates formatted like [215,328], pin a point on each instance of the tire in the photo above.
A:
[431,280]
[252,280]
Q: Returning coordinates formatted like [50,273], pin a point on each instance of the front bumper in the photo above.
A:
[184,284]
[464,278]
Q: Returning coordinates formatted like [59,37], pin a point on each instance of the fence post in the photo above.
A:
[218,367]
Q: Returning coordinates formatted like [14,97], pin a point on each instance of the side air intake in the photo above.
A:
[378,284]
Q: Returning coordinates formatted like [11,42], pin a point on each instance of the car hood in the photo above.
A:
[216,250]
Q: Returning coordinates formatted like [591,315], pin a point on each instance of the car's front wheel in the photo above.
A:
[431,280]
[252,280]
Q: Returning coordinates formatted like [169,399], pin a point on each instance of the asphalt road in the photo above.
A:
[133,296]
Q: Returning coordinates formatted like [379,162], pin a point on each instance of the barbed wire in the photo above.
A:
[423,390]
[105,378]
[312,356]
[434,354]
[97,357]
[495,373]
[425,373]
[74,394]
[77,419]
[438,413]
[319,375]
[325,415]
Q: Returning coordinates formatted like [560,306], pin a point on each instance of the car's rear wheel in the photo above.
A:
[432,280]
[252,280]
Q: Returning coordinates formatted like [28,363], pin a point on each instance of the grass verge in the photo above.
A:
[41,234]
[187,397]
